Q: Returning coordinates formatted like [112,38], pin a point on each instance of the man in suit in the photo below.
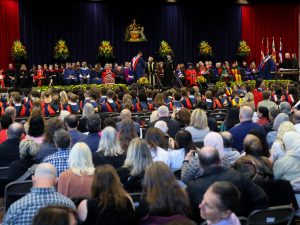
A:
[138,65]
[71,122]
[252,196]
[163,114]
[9,149]
[126,114]
[93,125]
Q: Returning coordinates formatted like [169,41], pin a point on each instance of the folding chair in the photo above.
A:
[3,172]
[273,215]
[14,191]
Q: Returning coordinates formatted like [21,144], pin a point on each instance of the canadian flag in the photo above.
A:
[273,51]
[280,51]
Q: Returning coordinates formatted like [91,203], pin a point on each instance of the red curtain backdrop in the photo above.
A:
[9,29]
[262,21]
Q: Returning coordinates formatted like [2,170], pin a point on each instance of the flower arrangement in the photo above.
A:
[61,51]
[205,49]
[244,50]
[18,51]
[73,88]
[251,83]
[105,52]
[105,49]
[165,49]
[201,79]
[143,81]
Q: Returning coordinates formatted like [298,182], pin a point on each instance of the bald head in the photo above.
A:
[296,117]
[227,139]
[11,111]
[44,175]
[246,113]
[15,130]
[208,157]
[125,114]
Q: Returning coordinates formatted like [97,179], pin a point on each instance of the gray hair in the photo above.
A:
[162,125]
[163,111]
[88,110]
[109,143]
[285,107]
[80,159]
[28,148]
[15,130]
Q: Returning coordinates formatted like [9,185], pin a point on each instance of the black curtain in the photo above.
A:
[84,25]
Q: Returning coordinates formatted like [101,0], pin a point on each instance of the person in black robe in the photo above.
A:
[11,76]
[169,68]
[24,77]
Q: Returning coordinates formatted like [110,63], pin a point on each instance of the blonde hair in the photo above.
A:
[109,143]
[248,100]
[63,97]
[80,159]
[283,128]
[28,148]
[138,156]
[199,119]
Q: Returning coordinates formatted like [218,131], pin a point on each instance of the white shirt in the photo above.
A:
[297,127]
[160,154]
[176,158]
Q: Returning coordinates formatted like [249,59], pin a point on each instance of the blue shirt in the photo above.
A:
[59,159]
[92,140]
[22,211]
[240,131]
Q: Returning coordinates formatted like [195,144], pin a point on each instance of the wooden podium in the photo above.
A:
[292,74]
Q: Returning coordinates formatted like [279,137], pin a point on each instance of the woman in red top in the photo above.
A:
[263,116]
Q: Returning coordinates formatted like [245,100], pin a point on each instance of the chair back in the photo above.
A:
[3,172]
[273,215]
[16,190]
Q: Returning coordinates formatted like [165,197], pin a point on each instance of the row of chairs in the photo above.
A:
[270,216]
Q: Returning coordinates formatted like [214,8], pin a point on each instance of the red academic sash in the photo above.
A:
[135,61]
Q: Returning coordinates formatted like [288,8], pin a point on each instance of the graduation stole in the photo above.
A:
[135,61]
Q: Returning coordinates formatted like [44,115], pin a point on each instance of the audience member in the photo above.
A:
[263,116]
[278,149]
[271,136]
[285,107]
[36,129]
[163,114]
[127,132]
[296,120]
[164,199]
[9,149]
[266,102]
[126,114]
[93,125]
[230,153]
[60,158]
[137,159]
[252,197]
[155,139]
[163,127]
[240,131]
[87,112]
[76,181]
[71,123]
[231,119]
[55,215]
[5,122]
[48,146]
[27,151]
[219,203]
[11,111]
[41,195]
[109,201]
[211,122]
[109,150]
[198,126]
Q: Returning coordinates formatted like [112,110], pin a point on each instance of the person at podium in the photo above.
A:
[287,62]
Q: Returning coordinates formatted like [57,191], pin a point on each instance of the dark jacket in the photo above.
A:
[173,125]
[116,161]
[9,151]
[252,196]
[92,140]
[46,149]
[240,131]
[76,135]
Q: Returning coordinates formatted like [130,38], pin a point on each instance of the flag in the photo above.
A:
[280,51]
[267,47]
[262,55]
[273,51]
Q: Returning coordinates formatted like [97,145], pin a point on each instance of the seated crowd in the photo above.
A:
[92,155]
